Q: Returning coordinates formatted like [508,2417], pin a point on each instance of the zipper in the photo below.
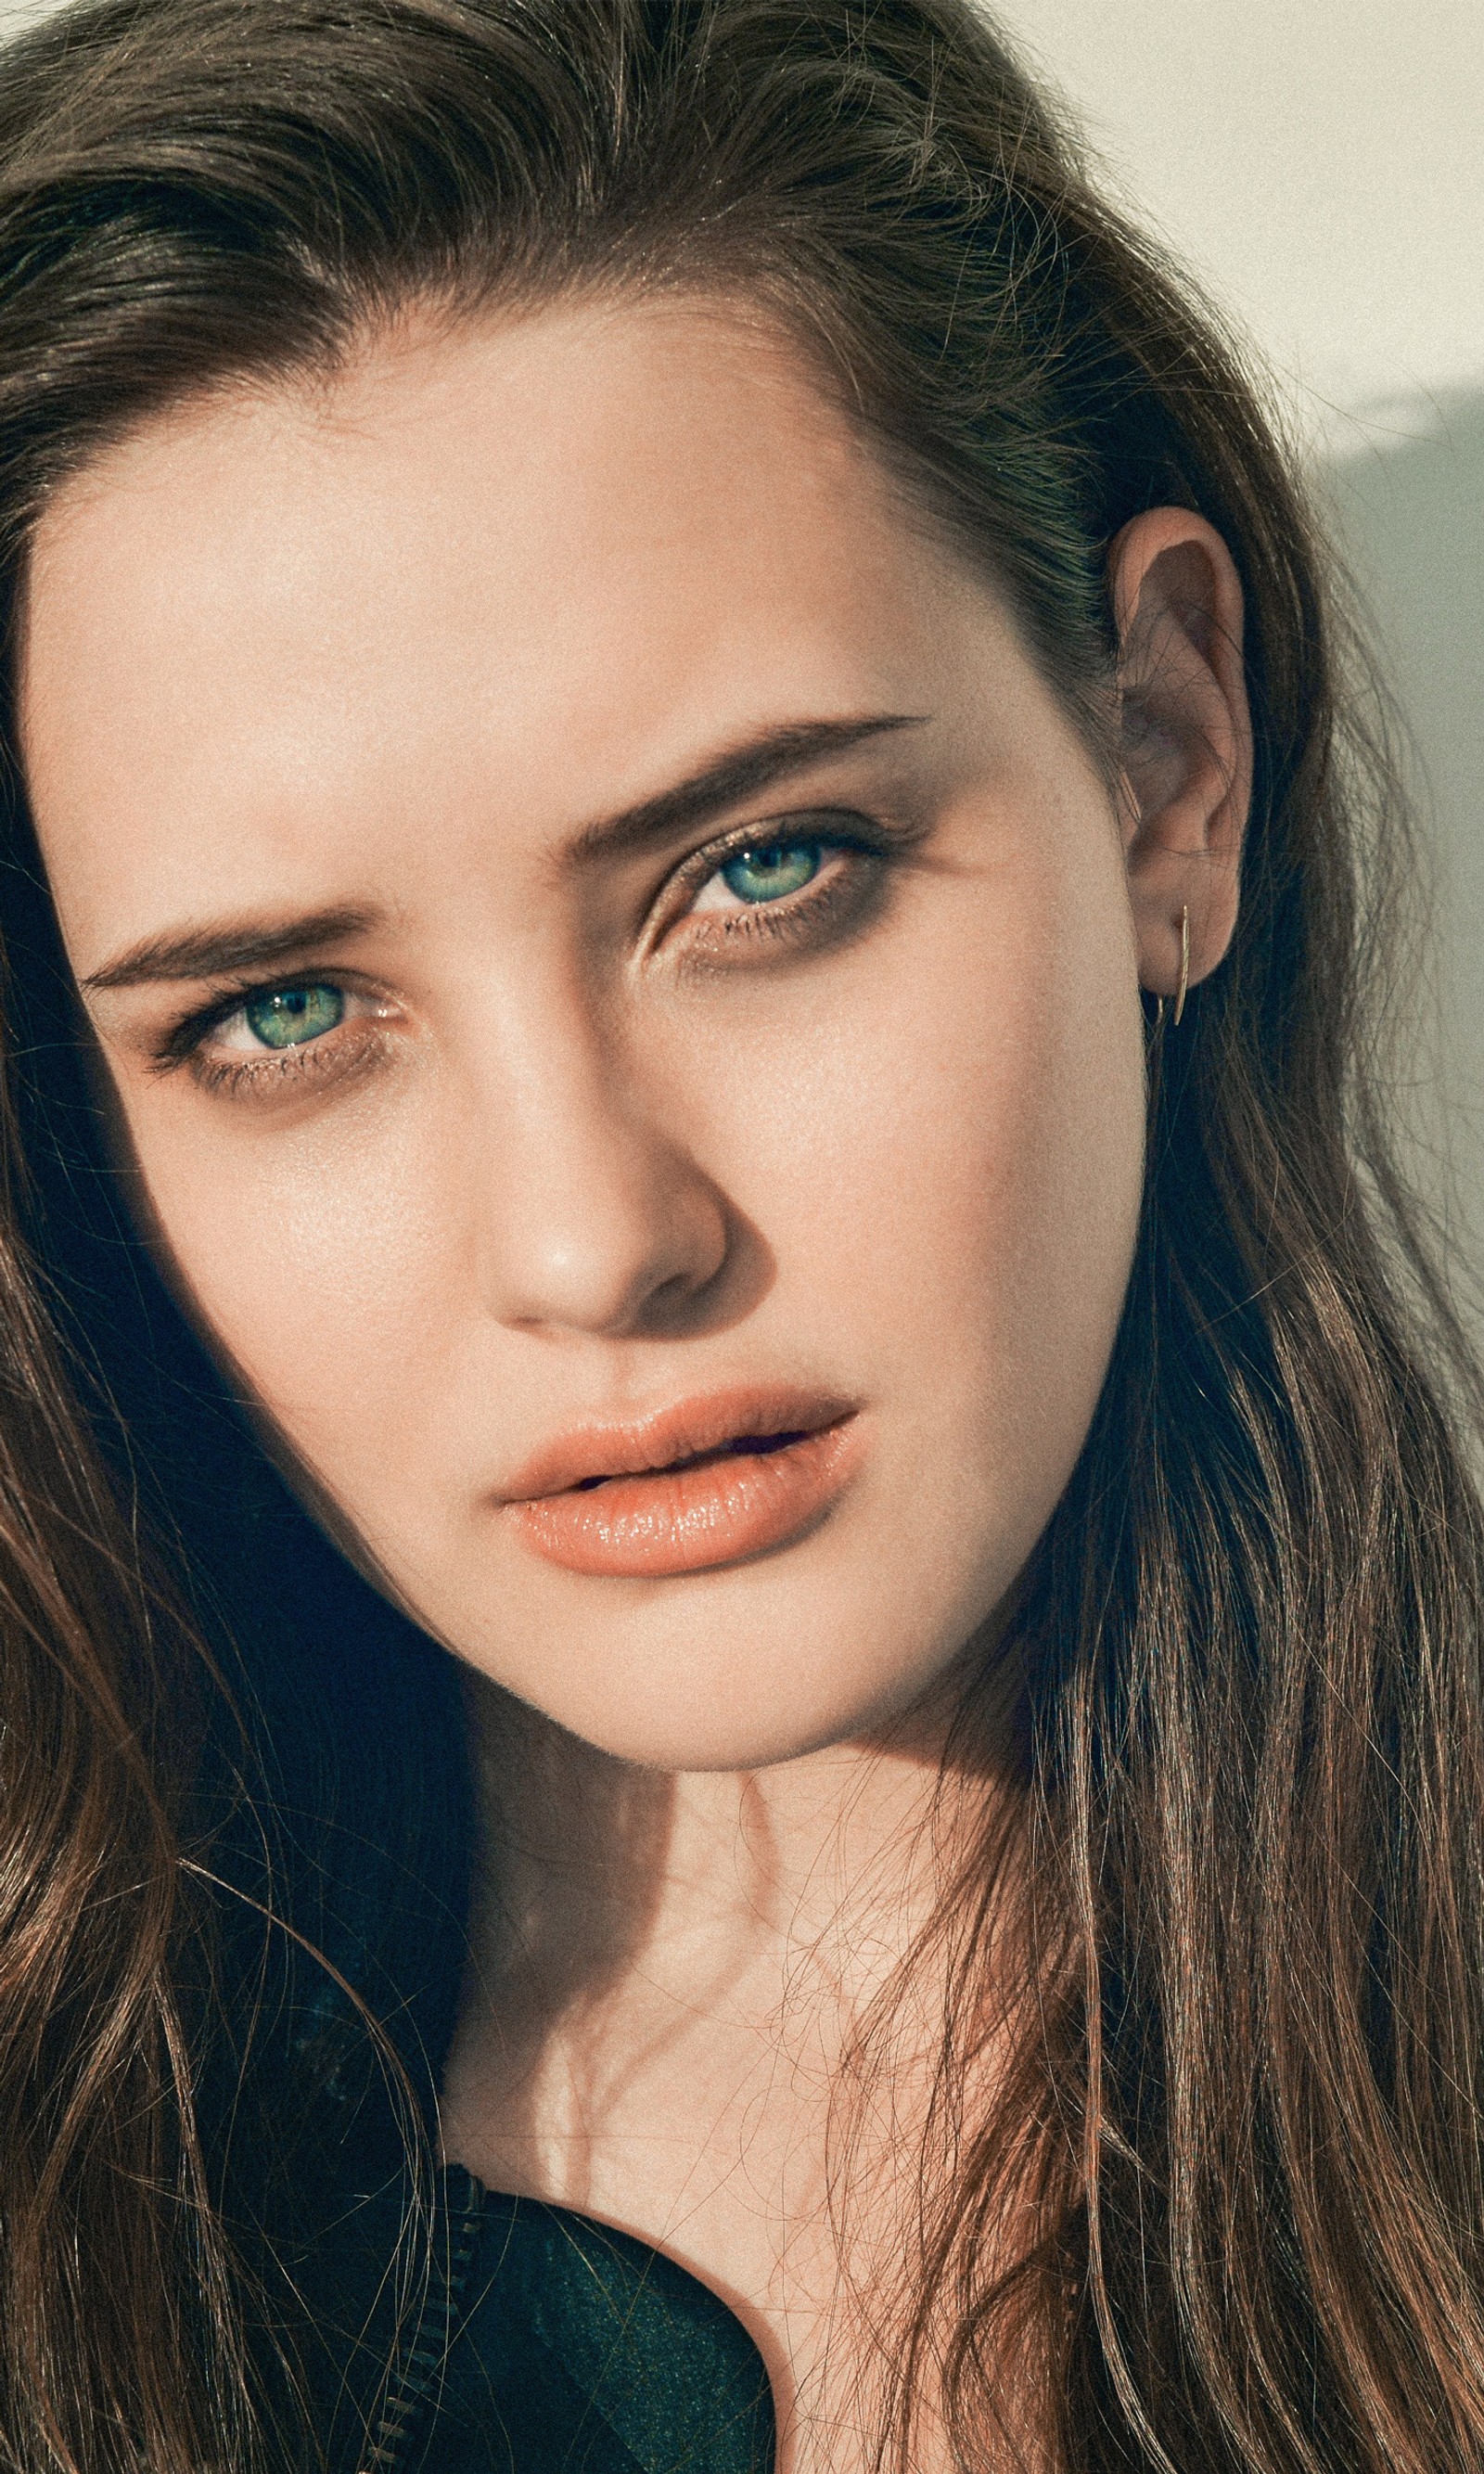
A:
[410,2395]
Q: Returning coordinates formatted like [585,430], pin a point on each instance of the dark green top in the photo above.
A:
[564,2347]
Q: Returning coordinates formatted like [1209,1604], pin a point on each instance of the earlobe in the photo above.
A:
[1187,739]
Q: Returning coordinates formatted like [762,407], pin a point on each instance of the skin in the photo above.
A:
[588,1142]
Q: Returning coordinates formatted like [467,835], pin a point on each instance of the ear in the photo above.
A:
[1187,737]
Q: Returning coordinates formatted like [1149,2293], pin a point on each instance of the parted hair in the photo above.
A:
[1240,2143]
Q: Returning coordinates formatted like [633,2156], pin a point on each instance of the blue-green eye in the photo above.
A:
[772,870]
[288,1017]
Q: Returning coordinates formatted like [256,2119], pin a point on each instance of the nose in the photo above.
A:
[595,1217]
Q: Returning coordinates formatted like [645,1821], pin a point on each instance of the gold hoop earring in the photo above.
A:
[1185,962]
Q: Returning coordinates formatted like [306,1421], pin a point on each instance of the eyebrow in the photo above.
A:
[234,947]
[738,773]
[240,945]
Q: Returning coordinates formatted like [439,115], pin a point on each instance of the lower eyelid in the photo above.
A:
[257,1071]
[833,908]
[268,1073]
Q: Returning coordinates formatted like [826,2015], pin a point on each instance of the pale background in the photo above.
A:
[1321,165]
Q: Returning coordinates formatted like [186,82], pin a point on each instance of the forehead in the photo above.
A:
[530,563]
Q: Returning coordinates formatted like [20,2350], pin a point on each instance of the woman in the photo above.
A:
[684,905]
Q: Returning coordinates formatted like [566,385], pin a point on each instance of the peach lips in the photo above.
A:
[704,1483]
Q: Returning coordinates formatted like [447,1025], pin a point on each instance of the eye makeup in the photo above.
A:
[277,1033]
[796,885]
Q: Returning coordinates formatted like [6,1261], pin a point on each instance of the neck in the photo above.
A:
[592,1866]
[669,1975]
[623,1910]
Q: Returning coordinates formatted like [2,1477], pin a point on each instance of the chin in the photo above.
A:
[705,1741]
[732,1712]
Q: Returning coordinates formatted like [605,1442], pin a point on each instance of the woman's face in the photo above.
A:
[610,956]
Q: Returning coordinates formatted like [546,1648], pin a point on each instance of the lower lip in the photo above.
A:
[666,1521]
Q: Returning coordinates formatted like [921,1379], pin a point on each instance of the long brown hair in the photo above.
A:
[1247,2122]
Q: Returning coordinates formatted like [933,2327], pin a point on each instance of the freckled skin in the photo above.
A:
[398,648]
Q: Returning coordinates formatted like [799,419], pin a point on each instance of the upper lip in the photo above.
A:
[680,1431]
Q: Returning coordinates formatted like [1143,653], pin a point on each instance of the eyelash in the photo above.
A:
[794,919]
[242,1076]
[186,1041]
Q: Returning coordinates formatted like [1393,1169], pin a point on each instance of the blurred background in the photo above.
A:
[1319,165]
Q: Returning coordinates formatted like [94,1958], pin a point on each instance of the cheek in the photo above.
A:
[951,1175]
[318,1262]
